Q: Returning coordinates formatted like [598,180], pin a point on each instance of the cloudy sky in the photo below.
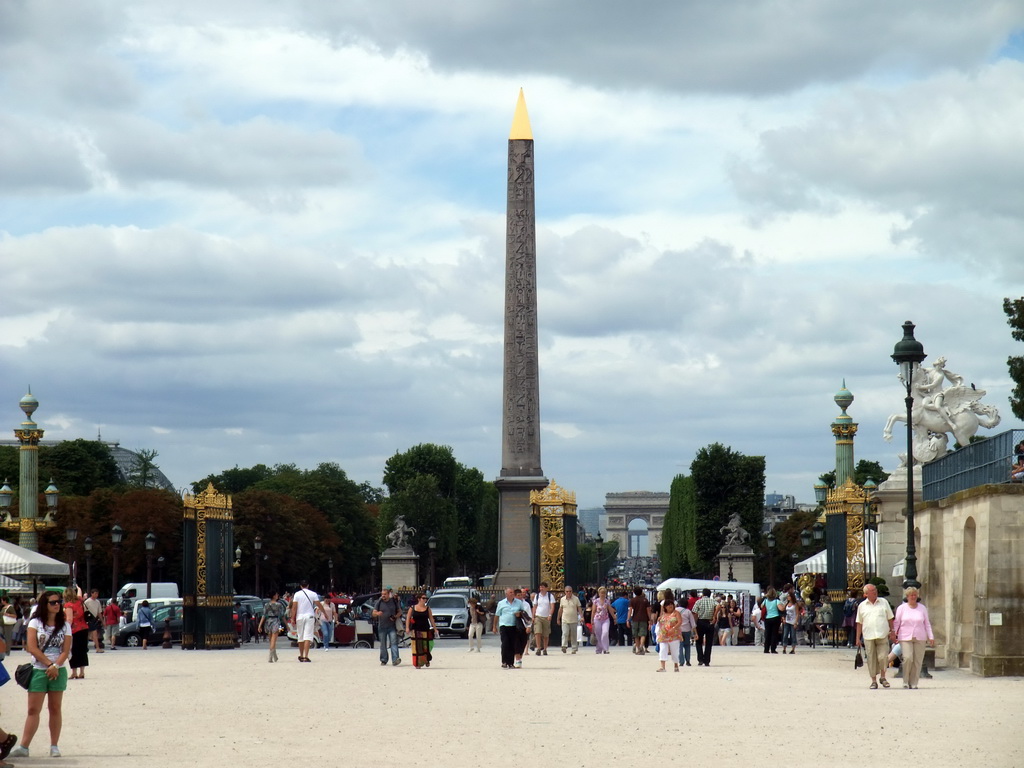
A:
[251,231]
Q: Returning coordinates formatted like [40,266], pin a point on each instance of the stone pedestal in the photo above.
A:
[742,563]
[399,568]
[892,526]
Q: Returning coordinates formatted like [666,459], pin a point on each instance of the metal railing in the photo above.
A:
[986,462]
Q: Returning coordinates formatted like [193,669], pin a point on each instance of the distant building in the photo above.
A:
[777,509]
[589,520]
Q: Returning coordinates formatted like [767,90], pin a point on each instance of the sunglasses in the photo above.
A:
[53,602]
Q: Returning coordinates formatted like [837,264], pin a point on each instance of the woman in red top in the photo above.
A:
[74,614]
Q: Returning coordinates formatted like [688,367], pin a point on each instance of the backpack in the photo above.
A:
[849,607]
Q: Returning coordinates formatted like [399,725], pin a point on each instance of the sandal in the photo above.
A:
[873,686]
[884,682]
[7,745]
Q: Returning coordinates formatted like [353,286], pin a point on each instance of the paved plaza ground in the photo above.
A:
[228,708]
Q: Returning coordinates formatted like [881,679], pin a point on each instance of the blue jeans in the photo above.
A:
[684,648]
[384,634]
[788,635]
[327,632]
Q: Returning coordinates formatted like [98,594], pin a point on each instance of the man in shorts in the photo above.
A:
[543,610]
[305,603]
[95,618]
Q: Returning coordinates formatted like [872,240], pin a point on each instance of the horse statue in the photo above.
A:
[399,537]
[735,535]
[937,411]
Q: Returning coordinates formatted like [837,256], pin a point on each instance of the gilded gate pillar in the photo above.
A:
[553,512]
[849,511]
[208,575]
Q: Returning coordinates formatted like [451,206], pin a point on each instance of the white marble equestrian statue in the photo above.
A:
[938,411]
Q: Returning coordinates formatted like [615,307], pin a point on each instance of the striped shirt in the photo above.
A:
[704,608]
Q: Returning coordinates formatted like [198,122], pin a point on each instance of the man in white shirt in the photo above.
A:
[543,609]
[305,603]
[874,628]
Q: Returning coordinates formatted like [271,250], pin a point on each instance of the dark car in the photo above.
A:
[130,636]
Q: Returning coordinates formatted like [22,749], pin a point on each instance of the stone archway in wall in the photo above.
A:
[968,586]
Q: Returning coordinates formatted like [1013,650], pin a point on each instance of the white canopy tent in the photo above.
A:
[21,562]
[729,587]
[818,563]
[7,584]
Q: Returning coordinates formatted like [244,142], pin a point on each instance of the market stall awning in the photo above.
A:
[18,561]
[818,563]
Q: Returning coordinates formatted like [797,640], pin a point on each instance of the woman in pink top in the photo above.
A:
[912,629]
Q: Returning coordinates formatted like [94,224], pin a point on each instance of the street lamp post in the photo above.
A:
[770,541]
[72,534]
[598,545]
[257,545]
[116,534]
[731,577]
[150,546]
[88,564]
[432,548]
[160,568]
[373,574]
[330,570]
[908,355]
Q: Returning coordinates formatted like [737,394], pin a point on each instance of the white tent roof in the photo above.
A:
[819,564]
[18,561]
[7,584]
[712,584]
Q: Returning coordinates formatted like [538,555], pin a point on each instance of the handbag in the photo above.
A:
[23,672]
[858,660]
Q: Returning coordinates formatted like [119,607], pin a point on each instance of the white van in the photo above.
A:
[134,591]
[460,582]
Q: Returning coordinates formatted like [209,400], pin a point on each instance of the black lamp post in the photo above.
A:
[150,546]
[330,571]
[770,541]
[116,534]
[160,568]
[72,534]
[373,574]
[257,545]
[88,564]
[730,577]
[598,546]
[432,547]
[908,355]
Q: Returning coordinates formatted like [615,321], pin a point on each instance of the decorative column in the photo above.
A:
[208,575]
[554,519]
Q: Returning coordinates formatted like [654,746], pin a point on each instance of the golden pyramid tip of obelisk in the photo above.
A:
[520,121]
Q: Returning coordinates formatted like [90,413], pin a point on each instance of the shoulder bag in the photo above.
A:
[23,672]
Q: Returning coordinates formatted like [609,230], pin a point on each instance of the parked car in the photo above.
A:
[130,636]
[451,613]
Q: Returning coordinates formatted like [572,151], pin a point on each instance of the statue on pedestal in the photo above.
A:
[938,411]
[399,537]
[735,534]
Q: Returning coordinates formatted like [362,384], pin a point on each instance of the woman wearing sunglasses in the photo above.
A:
[48,642]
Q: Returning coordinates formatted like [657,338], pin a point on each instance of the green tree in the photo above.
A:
[678,534]
[864,471]
[143,468]
[725,482]
[427,510]
[1014,309]
[78,467]
[232,481]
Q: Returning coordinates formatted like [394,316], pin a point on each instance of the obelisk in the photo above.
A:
[520,420]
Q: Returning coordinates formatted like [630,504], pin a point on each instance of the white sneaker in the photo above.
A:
[54,750]
[19,751]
